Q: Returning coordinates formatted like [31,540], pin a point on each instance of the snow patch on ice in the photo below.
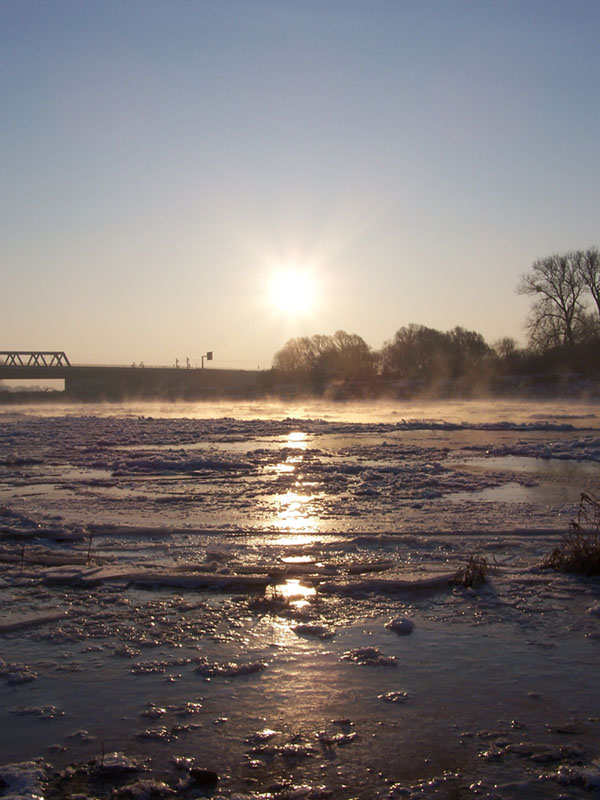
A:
[23,781]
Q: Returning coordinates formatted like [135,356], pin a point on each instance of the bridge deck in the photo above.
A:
[116,383]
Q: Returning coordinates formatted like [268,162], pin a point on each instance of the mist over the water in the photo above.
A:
[580,413]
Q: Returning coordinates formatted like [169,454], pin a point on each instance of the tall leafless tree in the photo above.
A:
[558,312]
[589,271]
[418,352]
[344,356]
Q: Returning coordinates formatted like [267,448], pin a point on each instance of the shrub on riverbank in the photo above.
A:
[579,550]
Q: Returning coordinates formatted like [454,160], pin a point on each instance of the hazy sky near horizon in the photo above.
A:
[162,160]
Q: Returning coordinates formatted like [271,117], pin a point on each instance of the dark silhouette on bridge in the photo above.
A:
[97,383]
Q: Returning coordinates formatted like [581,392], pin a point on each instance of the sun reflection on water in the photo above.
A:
[294,592]
[295,512]
[295,507]
[297,539]
[284,468]
[297,440]
[298,560]
[294,501]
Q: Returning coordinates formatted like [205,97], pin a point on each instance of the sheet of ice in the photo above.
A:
[16,621]
[135,552]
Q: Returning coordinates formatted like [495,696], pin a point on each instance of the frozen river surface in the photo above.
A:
[268,594]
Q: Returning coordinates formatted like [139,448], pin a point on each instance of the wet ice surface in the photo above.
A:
[272,599]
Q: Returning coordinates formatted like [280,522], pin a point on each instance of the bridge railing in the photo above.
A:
[33,358]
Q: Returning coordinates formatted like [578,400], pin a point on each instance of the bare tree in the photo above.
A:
[468,348]
[295,356]
[418,352]
[557,314]
[588,264]
[354,357]
[505,348]
[344,356]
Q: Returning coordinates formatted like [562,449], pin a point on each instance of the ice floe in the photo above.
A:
[228,669]
[24,780]
[371,656]
[313,629]
[403,626]
[16,673]
[117,763]
[394,697]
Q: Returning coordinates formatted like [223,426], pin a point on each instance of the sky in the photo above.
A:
[164,162]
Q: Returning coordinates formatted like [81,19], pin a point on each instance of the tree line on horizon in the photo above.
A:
[563,338]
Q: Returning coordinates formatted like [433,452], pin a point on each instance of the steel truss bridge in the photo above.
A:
[33,358]
[95,383]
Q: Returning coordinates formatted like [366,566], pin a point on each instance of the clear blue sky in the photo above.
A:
[161,159]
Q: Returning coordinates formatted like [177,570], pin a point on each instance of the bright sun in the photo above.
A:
[292,291]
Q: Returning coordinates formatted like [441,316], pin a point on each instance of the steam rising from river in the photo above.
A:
[579,413]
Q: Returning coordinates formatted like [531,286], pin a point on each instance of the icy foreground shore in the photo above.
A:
[267,607]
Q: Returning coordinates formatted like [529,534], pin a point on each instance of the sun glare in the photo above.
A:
[292,291]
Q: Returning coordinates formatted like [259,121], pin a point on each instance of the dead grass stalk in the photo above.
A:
[579,550]
[474,573]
